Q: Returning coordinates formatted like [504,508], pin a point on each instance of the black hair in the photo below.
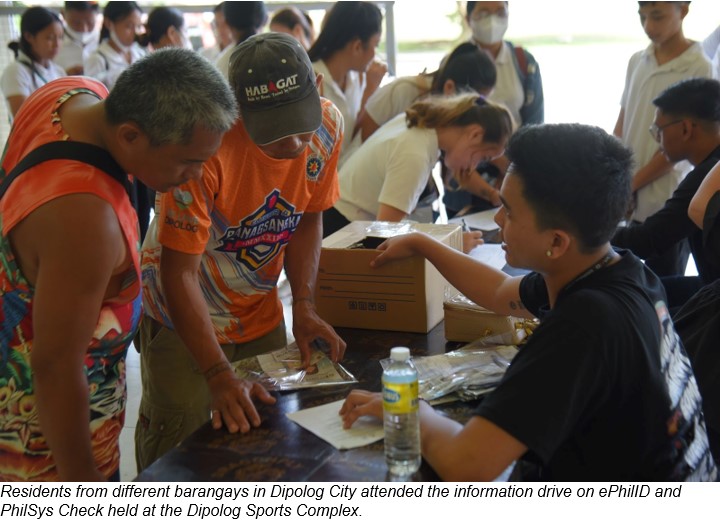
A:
[290,17]
[575,178]
[246,17]
[82,6]
[469,7]
[159,21]
[33,20]
[116,11]
[697,98]
[345,22]
[642,4]
[219,8]
[469,67]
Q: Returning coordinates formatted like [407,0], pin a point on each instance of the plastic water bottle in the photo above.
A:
[400,410]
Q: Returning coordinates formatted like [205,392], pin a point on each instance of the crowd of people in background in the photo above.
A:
[336,141]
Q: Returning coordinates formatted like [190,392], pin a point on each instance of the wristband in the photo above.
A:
[216,369]
[301,299]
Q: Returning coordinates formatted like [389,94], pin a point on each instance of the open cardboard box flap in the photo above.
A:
[404,295]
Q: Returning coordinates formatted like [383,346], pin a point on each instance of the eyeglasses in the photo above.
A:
[656,130]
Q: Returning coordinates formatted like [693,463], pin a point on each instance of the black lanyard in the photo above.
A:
[602,263]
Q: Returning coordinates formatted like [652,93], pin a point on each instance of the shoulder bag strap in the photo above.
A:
[70,150]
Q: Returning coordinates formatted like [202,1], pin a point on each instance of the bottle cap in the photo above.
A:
[400,353]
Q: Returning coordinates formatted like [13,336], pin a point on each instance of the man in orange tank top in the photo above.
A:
[70,272]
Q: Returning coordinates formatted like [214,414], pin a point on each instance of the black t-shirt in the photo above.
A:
[602,390]
[671,224]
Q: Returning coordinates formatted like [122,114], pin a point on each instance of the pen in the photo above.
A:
[465,227]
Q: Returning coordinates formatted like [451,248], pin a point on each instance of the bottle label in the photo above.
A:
[400,398]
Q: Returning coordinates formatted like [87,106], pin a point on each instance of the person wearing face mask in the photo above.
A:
[118,48]
[518,87]
[165,27]
[344,54]
[519,84]
[383,179]
[80,38]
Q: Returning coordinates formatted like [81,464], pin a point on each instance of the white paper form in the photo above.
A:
[325,422]
[482,220]
[490,254]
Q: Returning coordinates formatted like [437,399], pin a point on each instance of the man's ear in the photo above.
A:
[319,82]
[688,129]
[129,135]
[561,242]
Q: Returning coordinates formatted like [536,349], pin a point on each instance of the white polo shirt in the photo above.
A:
[348,102]
[395,97]
[105,64]
[23,76]
[391,167]
[73,51]
[644,81]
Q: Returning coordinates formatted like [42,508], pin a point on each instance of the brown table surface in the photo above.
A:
[281,450]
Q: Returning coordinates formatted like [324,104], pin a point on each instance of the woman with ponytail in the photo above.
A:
[384,178]
[165,27]
[41,34]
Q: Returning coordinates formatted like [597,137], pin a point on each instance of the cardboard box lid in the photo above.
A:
[356,231]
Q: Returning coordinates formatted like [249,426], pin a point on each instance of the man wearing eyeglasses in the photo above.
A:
[669,58]
[686,127]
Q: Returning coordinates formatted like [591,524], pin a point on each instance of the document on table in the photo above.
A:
[325,422]
[490,254]
[482,220]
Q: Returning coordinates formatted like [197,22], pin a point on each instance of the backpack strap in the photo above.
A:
[105,59]
[69,150]
[521,62]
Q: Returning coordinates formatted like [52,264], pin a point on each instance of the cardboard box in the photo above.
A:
[465,321]
[405,295]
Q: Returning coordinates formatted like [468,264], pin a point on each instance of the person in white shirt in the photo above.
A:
[41,34]
[223,35]
[669,58]
[344,54]
[711,47]
[165,27]
[384,178]
[118,48]
[80,38]
[467,68]
[296,23]
[244,19]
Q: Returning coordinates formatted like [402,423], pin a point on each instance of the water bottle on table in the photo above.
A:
[400,410]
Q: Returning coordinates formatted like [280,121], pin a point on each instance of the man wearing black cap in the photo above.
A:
[215,251]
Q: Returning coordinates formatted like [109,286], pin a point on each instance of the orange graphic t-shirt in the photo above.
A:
[240,216]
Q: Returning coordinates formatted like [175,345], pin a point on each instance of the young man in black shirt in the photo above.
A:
[602,390]
[687,126]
